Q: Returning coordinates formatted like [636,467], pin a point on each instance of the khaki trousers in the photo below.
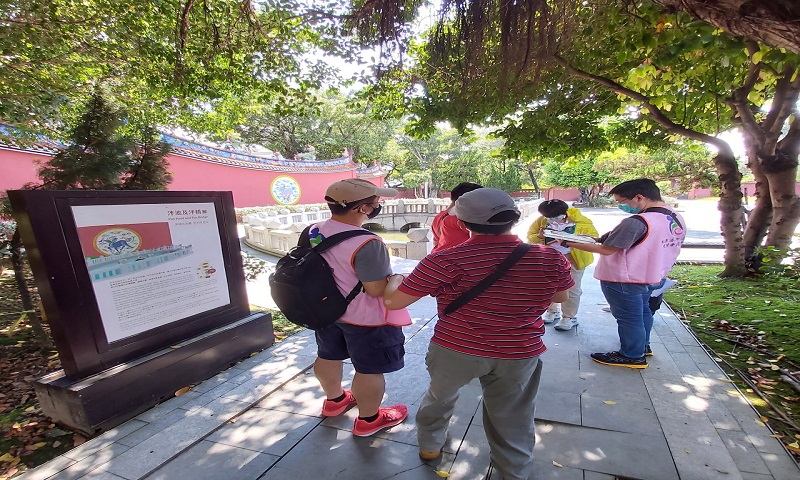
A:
[570,307]
[509,402]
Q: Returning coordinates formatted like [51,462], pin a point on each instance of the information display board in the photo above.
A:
[151,265]
[122,274]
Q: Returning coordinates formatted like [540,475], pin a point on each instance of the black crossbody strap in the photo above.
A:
[661,210]
[331,241]
[498,272]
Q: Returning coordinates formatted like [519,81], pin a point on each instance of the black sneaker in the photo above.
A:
[615,359]
[647,351]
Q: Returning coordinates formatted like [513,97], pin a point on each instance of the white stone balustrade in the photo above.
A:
[278,232]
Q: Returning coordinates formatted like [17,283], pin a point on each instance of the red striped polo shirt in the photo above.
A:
[504,320]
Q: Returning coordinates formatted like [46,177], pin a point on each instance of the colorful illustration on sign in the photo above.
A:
[285,190]
[106,240]
[103,268]
[205,270]
[117,240]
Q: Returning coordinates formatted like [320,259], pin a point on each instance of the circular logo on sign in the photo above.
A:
[285,190]
[205,270]
[116,241]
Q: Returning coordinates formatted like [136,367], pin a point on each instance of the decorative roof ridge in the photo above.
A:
[190,149]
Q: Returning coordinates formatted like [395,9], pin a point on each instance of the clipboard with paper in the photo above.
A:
[570,237]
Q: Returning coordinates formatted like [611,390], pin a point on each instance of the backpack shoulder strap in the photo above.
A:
[304,241]
[332,241]
[498,272]
[329,242]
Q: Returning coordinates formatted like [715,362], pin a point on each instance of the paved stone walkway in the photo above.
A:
[678,419]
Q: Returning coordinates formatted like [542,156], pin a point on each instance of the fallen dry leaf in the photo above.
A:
[557,464]
[182,391]
[609,402]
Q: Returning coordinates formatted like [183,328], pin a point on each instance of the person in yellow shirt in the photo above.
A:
[557,215]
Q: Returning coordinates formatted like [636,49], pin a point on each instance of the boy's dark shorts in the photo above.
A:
[371,349]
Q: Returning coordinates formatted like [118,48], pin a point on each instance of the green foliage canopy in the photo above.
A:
[163,61]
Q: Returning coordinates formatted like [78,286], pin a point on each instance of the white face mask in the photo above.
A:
[559,218]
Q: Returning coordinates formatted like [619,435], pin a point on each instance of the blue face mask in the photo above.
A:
[627,208]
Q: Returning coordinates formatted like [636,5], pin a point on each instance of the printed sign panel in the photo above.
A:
[151,264]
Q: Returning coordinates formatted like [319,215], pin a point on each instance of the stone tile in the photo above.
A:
[562,407]
[465,412]
[217,461]
[92,462]
[604,451]
[626,415]
[302,395]
[159,411]
[611,383]
[548,471]
[689,428]
[661,366]
[100,474]
[756,476]
[266,431]
[686,364]
[781,466]
[47,470]
[211,395]
[743,452]
[589,475]
[229,375]
[418,342]
[707,462]
[153,428]
[338,455]
[148,455]
[103,441]
[254,390]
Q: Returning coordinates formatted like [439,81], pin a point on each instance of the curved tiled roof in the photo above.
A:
[11,138]
[188,148]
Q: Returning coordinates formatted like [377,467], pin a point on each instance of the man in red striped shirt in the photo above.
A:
[495,337]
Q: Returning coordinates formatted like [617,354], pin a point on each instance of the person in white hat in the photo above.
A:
[368,334]
[495,337]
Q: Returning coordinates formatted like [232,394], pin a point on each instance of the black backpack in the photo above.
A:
[303,286]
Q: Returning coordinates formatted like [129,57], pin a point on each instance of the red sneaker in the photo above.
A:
[387,417]
[334,409]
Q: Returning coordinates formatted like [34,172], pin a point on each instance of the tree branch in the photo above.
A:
[655,113]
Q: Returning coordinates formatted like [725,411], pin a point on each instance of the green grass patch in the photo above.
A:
[751,326]
[283,327]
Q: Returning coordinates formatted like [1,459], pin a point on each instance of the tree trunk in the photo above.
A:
[732,211]
[533,179]
[761,215]
[22,285]
[772,155]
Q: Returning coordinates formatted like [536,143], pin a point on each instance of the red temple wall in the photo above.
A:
[18,168]
[250,187]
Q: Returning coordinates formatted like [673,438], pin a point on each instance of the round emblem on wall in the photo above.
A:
[285,190]
[117,241]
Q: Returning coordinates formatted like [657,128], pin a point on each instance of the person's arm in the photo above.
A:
[591,247]
[372,264]
[535,231]
[561,296]
[393,298]
[375,289]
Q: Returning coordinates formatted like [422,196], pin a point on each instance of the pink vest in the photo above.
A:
[650,260]
[364,310]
